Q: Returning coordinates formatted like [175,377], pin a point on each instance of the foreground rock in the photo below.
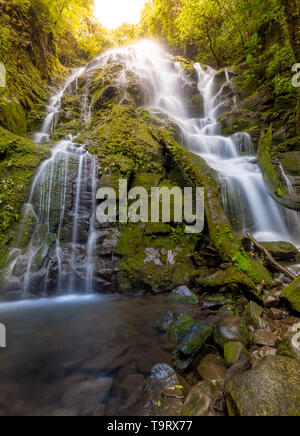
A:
[160,395]
[272,388]
[198,401]
[231,329]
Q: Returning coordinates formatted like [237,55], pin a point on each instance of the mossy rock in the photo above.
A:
[287,347]
[183,295]
[180,326]
[291,294]
[195,340]
[272,179]
[282,251]
[234,351]
[291,162]
[270,389]
[19,159]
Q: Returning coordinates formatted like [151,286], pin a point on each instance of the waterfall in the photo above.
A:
[61,254]
[245,196]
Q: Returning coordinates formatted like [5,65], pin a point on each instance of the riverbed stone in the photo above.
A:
[272,388]
[212,369]
[233,352]
[183,294]
[231,329]
[198,400]
[160,395]
[86,396]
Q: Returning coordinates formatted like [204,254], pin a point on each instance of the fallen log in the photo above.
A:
[269,256]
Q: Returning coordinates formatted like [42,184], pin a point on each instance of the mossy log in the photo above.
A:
[220,229]
[272,179]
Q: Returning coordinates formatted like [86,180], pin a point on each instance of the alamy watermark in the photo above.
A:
[163,205]
[296,76]
[2,336]
[2,75]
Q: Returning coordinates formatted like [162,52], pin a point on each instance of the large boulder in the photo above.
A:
[272,388]
[292,294]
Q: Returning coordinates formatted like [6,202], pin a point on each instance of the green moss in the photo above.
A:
[273,182]
[179,328]
[291,294]
[233,352]
[19,159]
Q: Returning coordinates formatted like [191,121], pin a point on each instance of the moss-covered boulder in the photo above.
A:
[234,351]
[291,294]
[282,251]
[183,294]
[272,388]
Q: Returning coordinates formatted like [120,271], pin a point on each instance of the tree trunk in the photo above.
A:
[292,12]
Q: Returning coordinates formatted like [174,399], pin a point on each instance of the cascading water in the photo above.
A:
[61,253]
[61,207]
[245,196]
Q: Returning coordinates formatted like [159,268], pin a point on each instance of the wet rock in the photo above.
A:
[270,389]
[254,317]
[164,321]
[265,338]
[198,401]
[231,329]
[161,395]
[282,251]
[196,339]
[212,369]
[183,295]
[86,396]
[180,327]
[233,352]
